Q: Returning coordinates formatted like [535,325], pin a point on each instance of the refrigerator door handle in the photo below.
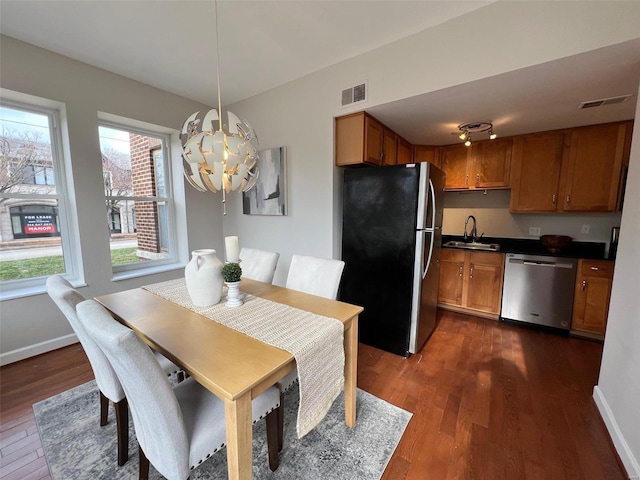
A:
[428,263]
[432,194]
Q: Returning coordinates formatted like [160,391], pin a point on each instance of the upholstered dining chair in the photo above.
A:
[177,428]
[67,298]
[317,276]
[258,264]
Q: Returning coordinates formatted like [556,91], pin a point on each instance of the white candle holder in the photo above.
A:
[234,298]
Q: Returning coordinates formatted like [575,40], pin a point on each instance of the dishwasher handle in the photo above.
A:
[540,263]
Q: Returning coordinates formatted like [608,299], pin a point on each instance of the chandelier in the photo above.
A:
[219,155]
[469,128]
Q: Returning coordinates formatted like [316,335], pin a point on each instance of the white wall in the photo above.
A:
[495,220]
[299,115]
[33,324]
[618,391]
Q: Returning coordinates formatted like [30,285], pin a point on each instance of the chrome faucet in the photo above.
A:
[474,232]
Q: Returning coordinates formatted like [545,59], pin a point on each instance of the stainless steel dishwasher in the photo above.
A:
[539,289]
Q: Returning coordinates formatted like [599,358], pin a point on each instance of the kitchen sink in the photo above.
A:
[493,247]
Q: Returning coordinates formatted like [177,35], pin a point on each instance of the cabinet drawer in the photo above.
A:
[451,255]
[486,258]
[596,268]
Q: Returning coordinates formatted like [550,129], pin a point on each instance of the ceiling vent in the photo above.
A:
[355,94]
[604,101]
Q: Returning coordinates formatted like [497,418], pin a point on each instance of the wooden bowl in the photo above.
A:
[555,243]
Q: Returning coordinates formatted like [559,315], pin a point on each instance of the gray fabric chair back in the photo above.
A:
[258,264]
[317,276]
[157,416]
[67,298]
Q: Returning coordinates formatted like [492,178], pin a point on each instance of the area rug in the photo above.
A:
[76,447]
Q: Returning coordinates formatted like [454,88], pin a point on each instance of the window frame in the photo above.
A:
[64,194]
[174,258]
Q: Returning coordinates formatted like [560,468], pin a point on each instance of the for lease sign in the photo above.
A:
[39,224]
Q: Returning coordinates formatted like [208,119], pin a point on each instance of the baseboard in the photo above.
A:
[467,311]
[37,349]
[622,447]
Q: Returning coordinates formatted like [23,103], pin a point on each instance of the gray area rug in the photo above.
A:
[76,447]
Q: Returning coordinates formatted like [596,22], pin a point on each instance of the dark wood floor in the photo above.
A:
[489,401]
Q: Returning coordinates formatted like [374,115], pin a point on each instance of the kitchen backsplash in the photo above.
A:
[494,219]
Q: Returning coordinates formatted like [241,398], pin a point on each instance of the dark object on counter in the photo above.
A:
[613,245]
[555,243]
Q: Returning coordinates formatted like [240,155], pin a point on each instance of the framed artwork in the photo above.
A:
[269,195]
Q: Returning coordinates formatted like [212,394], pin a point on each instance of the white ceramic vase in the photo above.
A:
[233,294]
[204,278]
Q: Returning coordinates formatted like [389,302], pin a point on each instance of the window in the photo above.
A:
[140,212]
[35,232]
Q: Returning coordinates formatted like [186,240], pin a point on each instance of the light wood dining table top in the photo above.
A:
[233,366]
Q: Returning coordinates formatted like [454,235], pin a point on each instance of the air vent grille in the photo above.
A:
[604,101]
[355,94]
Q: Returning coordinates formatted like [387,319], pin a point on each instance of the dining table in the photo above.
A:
[232,365]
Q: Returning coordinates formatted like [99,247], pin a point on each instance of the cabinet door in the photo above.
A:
[536,171]
[373,141]
[593,168]
[389,147]
[426,153]
[592,295]
[454,161]
[484,290]
[491,164]
[451,277]
[349,139]
[405,153]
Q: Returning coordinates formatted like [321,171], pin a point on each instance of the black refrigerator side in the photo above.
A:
[378,248]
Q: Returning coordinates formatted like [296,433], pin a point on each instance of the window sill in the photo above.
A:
[21,292]
[143,272]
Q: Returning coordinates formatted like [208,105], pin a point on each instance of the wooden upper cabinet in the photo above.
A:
[577,169]
[358,140]
[427,153]
[389,149]
[454,161]
[405,152]
[485,164]
[536,171]
[491,163]
[591,172]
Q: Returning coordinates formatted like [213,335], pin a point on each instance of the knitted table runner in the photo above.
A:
[315,341]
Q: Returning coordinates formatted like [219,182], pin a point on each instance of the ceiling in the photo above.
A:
[263,44]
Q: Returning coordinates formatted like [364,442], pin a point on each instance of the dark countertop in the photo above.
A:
[588,250]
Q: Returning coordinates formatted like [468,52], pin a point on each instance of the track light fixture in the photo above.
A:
[466,129]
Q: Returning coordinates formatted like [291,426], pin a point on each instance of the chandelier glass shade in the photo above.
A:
[219,155]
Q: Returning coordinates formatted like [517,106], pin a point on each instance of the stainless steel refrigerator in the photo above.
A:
[391,238]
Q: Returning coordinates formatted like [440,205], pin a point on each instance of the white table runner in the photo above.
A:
[315,341]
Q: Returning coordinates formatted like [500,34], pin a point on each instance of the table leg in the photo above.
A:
[350,371]
[239,437]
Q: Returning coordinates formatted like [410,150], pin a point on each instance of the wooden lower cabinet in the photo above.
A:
[471,280]
[592,295]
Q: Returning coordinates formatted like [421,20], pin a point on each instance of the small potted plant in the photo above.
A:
[231,273]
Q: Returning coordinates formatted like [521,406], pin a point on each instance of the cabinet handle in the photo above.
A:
[460,271]
[595,269]
[466,180]
[471,273]
[553,199]
[584,285]
[568,199]
[477,180]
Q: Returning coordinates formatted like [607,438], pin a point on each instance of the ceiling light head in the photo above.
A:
[468,142]
[492,136]
[463,136]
